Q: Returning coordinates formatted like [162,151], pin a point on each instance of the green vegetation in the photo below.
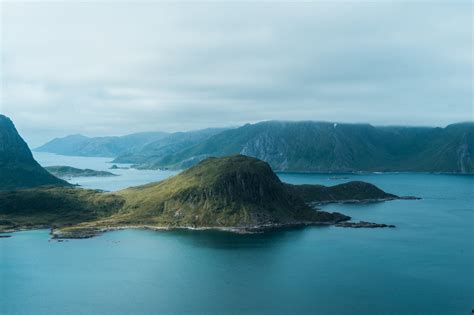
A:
[236,191]
[230,192]
[54,206]
[353,191]
[68,171]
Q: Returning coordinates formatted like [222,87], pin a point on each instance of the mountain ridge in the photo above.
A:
[109,146]
[311,146]
[330,147]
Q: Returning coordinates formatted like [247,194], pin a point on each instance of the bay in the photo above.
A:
[423,266]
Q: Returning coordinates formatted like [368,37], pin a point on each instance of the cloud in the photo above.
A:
[114,68]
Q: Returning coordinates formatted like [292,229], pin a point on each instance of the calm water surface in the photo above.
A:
[424,266]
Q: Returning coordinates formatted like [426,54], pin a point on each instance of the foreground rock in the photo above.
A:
[115,167]
[364,224]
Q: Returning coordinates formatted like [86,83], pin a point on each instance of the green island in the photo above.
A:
[236,193]
[68,171]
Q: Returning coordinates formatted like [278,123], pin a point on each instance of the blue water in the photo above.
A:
[127,177]
[424,266]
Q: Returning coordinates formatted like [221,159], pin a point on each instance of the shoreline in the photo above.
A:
[57,233]
[255,229]
[90,232]
[361,201]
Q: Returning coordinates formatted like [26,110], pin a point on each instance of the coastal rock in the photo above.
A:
[409,198]
[364,224]
[115,167]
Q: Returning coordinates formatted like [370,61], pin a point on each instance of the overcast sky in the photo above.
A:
[114,68]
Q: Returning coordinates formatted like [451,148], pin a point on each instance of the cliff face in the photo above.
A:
[18,168]
[329,147]
[13,149]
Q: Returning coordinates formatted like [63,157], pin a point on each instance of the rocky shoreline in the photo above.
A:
[89,232]
[92,232]
[363,201]
[364,224]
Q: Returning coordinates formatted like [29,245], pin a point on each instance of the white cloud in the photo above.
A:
[114,68]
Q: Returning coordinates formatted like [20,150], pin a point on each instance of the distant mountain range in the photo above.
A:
[166,146]
[322,147]
[79,145]
[309,146]
[18,169]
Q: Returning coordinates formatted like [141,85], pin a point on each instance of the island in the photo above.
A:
[68,172]
[237,193]
[115,167]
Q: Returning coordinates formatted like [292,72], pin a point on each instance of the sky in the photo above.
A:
[113,68]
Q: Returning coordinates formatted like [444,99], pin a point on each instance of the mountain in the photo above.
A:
[79,145]
[18,169]
[330,147]
[237,193]
[170,144]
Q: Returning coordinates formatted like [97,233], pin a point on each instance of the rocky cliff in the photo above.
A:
[18,168]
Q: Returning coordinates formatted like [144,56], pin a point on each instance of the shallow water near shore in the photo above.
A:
[423,266]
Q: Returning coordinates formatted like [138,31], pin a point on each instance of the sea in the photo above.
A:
[423,266]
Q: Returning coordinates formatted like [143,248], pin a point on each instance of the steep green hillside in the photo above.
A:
[18,169]
[231,191]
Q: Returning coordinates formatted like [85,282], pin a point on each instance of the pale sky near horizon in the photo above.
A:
[112,68]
